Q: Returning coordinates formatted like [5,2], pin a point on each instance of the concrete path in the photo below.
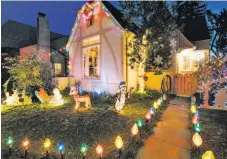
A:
[171,138]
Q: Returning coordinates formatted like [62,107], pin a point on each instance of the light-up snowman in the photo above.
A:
[122,95]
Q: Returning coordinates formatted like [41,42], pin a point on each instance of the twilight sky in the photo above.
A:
[59,14]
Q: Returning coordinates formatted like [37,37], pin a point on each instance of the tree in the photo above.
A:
[152,24]
[218,30]
[188,10]
[28,74]
[24,73]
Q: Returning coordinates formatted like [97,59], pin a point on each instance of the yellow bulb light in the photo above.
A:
[155,105]
[119,142]
[193,109]
[47,144]
[197,140]
[134,129]
[208,155]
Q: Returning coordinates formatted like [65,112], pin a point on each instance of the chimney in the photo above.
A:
[43,36]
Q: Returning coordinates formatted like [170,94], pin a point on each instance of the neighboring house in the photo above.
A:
[23,39]
[98,52]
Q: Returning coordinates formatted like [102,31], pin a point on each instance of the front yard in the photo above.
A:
[99,125]
[214,134]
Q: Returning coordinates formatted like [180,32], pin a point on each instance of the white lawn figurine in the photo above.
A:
[57,98]
[122,95]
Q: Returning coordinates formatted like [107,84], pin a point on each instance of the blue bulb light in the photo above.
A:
[197,114]
[151,110]
[61,147]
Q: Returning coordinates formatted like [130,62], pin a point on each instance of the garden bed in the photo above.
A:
[214,134]
[99,125]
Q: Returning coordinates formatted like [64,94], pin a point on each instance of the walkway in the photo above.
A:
[171,138]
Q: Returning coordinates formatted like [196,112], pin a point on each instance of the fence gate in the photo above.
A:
[185,84]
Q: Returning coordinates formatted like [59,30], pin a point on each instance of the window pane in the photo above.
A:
[93,64]
[57,68]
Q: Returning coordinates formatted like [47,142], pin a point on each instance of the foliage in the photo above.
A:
[210,69]
[218,30]
[47,76]
[24,73]
[152,24]
[188,10]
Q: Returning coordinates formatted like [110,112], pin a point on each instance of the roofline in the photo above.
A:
[33,27]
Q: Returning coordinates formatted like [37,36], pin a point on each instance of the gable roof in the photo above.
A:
[18,35]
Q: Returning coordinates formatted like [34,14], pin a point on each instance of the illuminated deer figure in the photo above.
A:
[78,99]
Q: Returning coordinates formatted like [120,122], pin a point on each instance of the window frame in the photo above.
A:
[87,61]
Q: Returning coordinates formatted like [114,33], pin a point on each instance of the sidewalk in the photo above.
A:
[171,138]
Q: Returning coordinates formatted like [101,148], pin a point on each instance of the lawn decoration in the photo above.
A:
[57,98]
[14,99]
[61,148]
[198,127]
[83,149]
[99,150]
[78,99]
[197,140]
[122,95]
[208,155]
[193,109]
[155,105]
[119,144]
[47,145]
[195,119]
[42,95]
[135,129]
[25,144]
[10,142]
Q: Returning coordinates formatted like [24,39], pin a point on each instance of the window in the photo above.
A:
[91,57]
[188,60]
[57,68]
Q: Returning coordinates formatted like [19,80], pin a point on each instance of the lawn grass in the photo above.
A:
[99,125]
[214,134]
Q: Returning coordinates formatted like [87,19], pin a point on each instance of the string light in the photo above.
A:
[208,155]
[83,149]
[134,130]
[61,147]
[139,122]
[148,116]
[25,143]
[99,150]
[10,141]
[47,144]
[155,105]
[151,110]
[197,140]
[119,142]
[198,127]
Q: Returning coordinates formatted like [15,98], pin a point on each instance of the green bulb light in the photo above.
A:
[83,148]
[9,141]
[139,122]
[198,127]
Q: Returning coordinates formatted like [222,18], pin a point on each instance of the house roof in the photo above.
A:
[196,29]
[19,35]
[118,15]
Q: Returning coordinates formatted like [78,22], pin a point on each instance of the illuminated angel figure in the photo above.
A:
[122,95]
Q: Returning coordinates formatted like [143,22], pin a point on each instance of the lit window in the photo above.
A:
[57,68]
[91,57]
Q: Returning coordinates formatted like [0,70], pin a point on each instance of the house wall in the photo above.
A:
[111,61]
[29,51]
